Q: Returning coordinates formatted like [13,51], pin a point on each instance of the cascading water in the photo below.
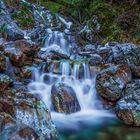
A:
[85,93]
[76,75]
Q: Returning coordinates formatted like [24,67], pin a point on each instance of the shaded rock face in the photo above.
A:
[24,116]
[2,62]
[136,70]
[128,107]
[5,81]
[112,80]
[95,60]
[25,133]
[13,32]
[64,99]
[26,72]
[2,41]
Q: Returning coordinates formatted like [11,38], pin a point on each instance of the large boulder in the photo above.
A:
[21,52]
[128,107]
[16,55]
[112,80]
[64,98]
[28,47]
[14,32]
[23,116]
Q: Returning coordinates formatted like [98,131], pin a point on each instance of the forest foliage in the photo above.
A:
[119,19]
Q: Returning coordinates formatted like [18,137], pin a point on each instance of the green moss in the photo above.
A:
[21,14]
[24,18]
[52,6]
[119,19]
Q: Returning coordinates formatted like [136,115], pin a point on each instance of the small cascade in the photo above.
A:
[57,41]
[65,68]
[86,71]
[85,93]
[76,71]
[75,74]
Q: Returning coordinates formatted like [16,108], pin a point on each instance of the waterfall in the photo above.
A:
[85,92]
[76,71]
[77,76]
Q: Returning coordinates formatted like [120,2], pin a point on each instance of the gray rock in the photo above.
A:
[12,31]
[54,52]
[95,60]
[117,53]
[128,107]
[112,80]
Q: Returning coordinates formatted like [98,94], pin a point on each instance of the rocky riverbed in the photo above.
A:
[25,116]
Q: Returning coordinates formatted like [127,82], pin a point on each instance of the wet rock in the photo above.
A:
[64,99]
[26,72]
[88,50]
[15,54]
[27,46]
[53,52]
[7,125]
[128,107]
[5,81]
[90,47]
[2,62]
[26,133]
[13,32]
[29,116]
[117,53]
[136,70]
[95,60]
[112,80]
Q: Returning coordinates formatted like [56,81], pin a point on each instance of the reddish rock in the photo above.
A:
[15,54]
[2,62]
[27,114]
[64,99]
[27,47]
[5,81]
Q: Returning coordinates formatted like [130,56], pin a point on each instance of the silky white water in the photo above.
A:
[91,111]
[78,76]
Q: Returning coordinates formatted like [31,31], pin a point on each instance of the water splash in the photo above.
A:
[77,76]
[85,92]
